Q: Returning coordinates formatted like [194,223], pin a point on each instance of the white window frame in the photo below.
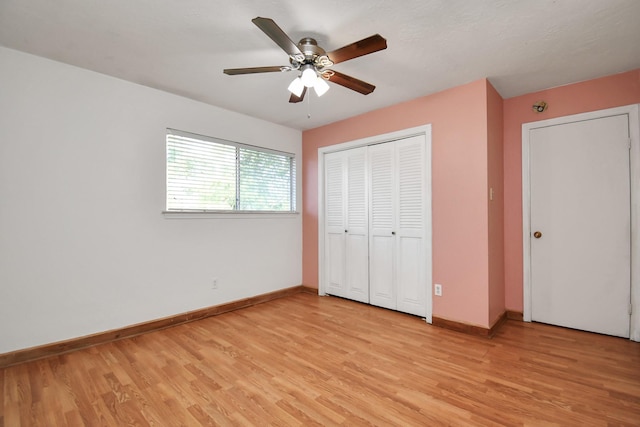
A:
[226,213]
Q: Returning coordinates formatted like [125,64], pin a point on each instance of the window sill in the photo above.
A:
[228,214]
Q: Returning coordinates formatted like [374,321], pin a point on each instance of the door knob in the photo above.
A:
[537,234]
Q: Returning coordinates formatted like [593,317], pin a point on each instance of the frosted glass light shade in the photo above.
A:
[296,87]
[321,86]
[308,76]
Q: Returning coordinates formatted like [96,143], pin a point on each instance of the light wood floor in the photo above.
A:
[307,360]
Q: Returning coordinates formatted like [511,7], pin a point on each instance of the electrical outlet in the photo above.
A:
[214,283]
[437,289]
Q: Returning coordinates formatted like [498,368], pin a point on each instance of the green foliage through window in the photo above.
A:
[208,174]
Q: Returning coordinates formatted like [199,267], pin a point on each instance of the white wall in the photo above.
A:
[84,247]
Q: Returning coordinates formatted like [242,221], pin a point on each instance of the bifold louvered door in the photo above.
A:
[375,223]
[397,244]
[411,250]
[346,242]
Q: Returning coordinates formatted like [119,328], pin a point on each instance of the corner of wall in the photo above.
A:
[495,178]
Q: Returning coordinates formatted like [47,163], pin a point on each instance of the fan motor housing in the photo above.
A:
[313,54]
[310,48]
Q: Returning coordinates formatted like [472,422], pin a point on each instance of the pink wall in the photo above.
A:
[478,261]
[459,191]
[496,206]
[592,95]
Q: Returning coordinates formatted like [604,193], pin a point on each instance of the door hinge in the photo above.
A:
[629,143]
[630,309]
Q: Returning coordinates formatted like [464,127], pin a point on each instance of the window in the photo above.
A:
[210,174]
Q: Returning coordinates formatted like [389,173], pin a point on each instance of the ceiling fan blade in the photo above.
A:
[252,70]
[270,28]
[293,99]
[351,83]
[359,48]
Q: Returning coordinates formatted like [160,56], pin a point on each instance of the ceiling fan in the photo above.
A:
[313,62]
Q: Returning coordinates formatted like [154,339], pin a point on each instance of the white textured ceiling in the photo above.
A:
[182,46]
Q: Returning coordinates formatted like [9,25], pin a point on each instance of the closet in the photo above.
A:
[377,224]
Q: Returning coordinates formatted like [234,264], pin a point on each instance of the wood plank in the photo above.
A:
[309,360]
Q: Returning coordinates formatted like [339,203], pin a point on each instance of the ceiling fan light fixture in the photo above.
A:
[321,86]
[296,87]
[309,75]
[311,62]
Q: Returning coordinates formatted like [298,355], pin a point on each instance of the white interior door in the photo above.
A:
[580,205]
[335,224]
[381,232]
[410,225]
[398,256]
[357,232]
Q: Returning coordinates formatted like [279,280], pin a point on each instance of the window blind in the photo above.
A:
[210,174]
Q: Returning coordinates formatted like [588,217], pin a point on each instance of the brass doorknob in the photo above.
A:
[537,234]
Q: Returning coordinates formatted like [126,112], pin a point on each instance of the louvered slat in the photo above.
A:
[356,204]
[334,191]
[410,187]
[381,189]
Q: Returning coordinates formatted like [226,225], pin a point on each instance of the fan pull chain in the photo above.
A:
[309,105]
